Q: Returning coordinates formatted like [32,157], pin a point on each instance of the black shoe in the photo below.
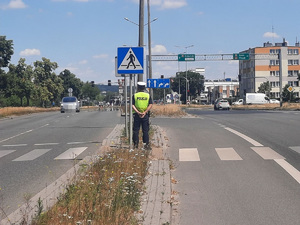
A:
[148,147]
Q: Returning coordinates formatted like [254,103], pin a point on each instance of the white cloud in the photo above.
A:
[166,4]
[15,4]
[173,4]
[159,49]
[83,62]
[271,35]
[30,52]
[101,56]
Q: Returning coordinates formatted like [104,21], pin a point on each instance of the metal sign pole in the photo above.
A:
[126,106]
[130,114]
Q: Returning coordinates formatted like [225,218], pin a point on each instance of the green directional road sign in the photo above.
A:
[241,56]
[186,57]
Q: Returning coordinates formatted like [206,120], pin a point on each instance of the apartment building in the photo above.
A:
[264,65]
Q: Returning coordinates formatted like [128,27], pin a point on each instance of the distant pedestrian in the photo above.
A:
[141,104]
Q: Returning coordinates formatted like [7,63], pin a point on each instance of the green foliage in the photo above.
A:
[88,91]
[70,81]
[6,51]
[288,96]
[195,83]
[265,88]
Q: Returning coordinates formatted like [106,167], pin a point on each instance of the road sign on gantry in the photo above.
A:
[158,83]
[130,60]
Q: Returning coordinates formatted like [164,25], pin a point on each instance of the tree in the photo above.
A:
[48,85]
[265,88]
[196,84]
[70,81]
[24,87]
[287,95]
[89,91]
[6,51]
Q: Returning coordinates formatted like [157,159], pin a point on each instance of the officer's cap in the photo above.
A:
[142,84]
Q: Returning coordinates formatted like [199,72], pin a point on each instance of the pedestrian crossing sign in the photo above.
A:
[130,60]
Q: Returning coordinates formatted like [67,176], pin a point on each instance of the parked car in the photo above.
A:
[222,104]
[69,104]
[275,101]
[239,102]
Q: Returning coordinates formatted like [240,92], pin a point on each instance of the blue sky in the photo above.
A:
[83,35]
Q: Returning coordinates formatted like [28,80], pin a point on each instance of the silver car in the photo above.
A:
[69,104]
[222,104]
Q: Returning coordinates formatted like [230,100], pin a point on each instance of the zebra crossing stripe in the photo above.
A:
[6,152]
[32,155]
[227,154]
[188,154]
[71,153]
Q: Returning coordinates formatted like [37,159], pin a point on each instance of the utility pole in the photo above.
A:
[149,46]
[141,31]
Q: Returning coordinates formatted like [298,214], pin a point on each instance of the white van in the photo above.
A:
[257,98]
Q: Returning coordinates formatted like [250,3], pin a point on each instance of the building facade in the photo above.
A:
[264,66]
[214,89]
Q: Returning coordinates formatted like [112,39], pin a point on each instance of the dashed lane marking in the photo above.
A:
[188,154]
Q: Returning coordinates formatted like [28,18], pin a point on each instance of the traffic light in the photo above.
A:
[109,82]
[93,83]
[162,76]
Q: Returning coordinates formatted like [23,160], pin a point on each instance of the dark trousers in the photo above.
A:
[137,123]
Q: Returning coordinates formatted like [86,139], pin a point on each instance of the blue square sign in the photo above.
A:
[130,60]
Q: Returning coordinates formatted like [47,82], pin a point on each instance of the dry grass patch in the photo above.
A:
[17,111]
[109,193]
[170,110]
[285,106]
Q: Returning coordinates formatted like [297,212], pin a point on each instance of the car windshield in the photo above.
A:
[69,99]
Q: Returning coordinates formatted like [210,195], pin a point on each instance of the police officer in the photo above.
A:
[141,104]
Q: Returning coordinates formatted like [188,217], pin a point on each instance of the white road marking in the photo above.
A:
[289,168]
[5,152]
[267,153]
[16,135]
[17,145]
[75,143]
[188,154]
[42,144]
[71,153]
[296,148]
[227,154]
[255,143]
[32,155]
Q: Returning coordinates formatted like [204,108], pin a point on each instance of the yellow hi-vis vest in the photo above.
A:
[141,101]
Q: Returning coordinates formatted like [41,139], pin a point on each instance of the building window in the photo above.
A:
[272,73]
[272,51]
[277,73]
[290,73]
[296,62]
[290,62]
[293,51]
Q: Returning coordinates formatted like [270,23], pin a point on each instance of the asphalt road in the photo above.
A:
[36,149]
[235,167]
